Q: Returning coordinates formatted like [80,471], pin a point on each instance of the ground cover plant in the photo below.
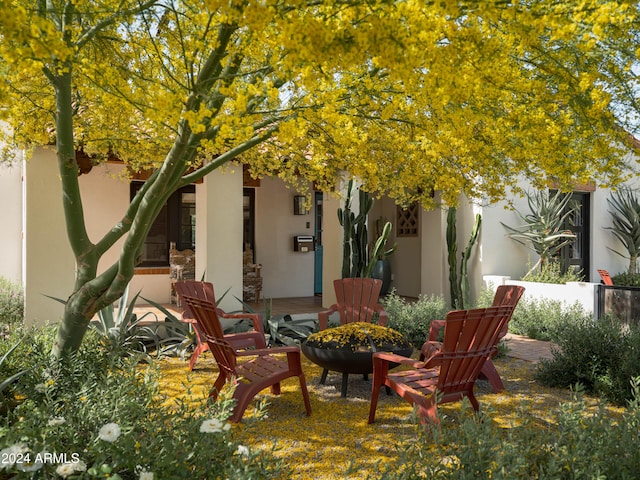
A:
[98,415]
[11,302]
[336,442]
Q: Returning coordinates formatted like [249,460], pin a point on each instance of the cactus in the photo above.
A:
[459,281]
[356,259]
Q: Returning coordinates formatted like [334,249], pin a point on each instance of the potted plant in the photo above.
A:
[382,266]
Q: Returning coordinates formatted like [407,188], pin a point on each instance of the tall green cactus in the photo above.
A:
[459,280]
[355,250]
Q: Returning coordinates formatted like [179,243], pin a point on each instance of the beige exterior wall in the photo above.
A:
[332,248]
[49,265]
[285,273]
[219,234]
[11,231]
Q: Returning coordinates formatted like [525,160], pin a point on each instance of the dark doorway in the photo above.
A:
[317,278]
[575,256]
[248,222]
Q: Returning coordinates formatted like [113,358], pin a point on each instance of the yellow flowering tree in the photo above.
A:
[409,96]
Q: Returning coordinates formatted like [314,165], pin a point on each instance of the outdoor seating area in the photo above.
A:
[449,368]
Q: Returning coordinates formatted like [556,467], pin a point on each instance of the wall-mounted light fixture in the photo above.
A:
[299,207]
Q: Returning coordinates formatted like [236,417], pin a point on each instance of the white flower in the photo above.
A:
[214,425]
[41,388]
[109,432]
[8,454]
[66,469]
[54,421]
[242,450]
[146,475]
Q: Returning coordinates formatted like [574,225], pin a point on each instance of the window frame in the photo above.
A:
[174,211]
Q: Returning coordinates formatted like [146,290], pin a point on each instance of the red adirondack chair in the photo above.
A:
[606,277]
[265,369]
[356,301]
[450,373]
[505,295]
[204,290]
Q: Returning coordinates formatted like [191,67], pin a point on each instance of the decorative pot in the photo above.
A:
[382,271]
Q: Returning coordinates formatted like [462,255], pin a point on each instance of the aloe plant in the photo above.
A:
[543,228]
[8,381]
[626,224]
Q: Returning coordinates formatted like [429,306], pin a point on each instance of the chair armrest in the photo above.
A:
[256,318]
[394,358]
[434,330]
[383,316]
[246,339]
[323,316]
[268,351]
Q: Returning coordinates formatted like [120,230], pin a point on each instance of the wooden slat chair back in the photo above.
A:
[357,300]
[450,373]
[264,368]
[205,291]
[606,277]
[506,295]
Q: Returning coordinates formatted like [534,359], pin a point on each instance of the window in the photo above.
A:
[407,221]
[176,222]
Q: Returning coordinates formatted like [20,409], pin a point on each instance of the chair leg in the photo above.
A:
[428,412]
[217,386]
[323,377]
[275,388]
[380,371]
[201,348]
[491,374]
[305,394]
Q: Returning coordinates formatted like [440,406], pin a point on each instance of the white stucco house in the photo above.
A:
[228,211]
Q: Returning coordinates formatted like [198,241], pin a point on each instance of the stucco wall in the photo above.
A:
[11,231]
[49,264]
[219,234]
[285,273]
[503,256]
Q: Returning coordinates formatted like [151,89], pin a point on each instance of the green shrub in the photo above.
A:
[413,318]
[106,416]
[540,319]
[11,302]
[601,355]
[551,272]
[626,279]
[575,445]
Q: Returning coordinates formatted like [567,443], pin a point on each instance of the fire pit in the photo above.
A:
[348,348]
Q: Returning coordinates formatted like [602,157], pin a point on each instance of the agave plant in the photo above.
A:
[625,227]
[543,230]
